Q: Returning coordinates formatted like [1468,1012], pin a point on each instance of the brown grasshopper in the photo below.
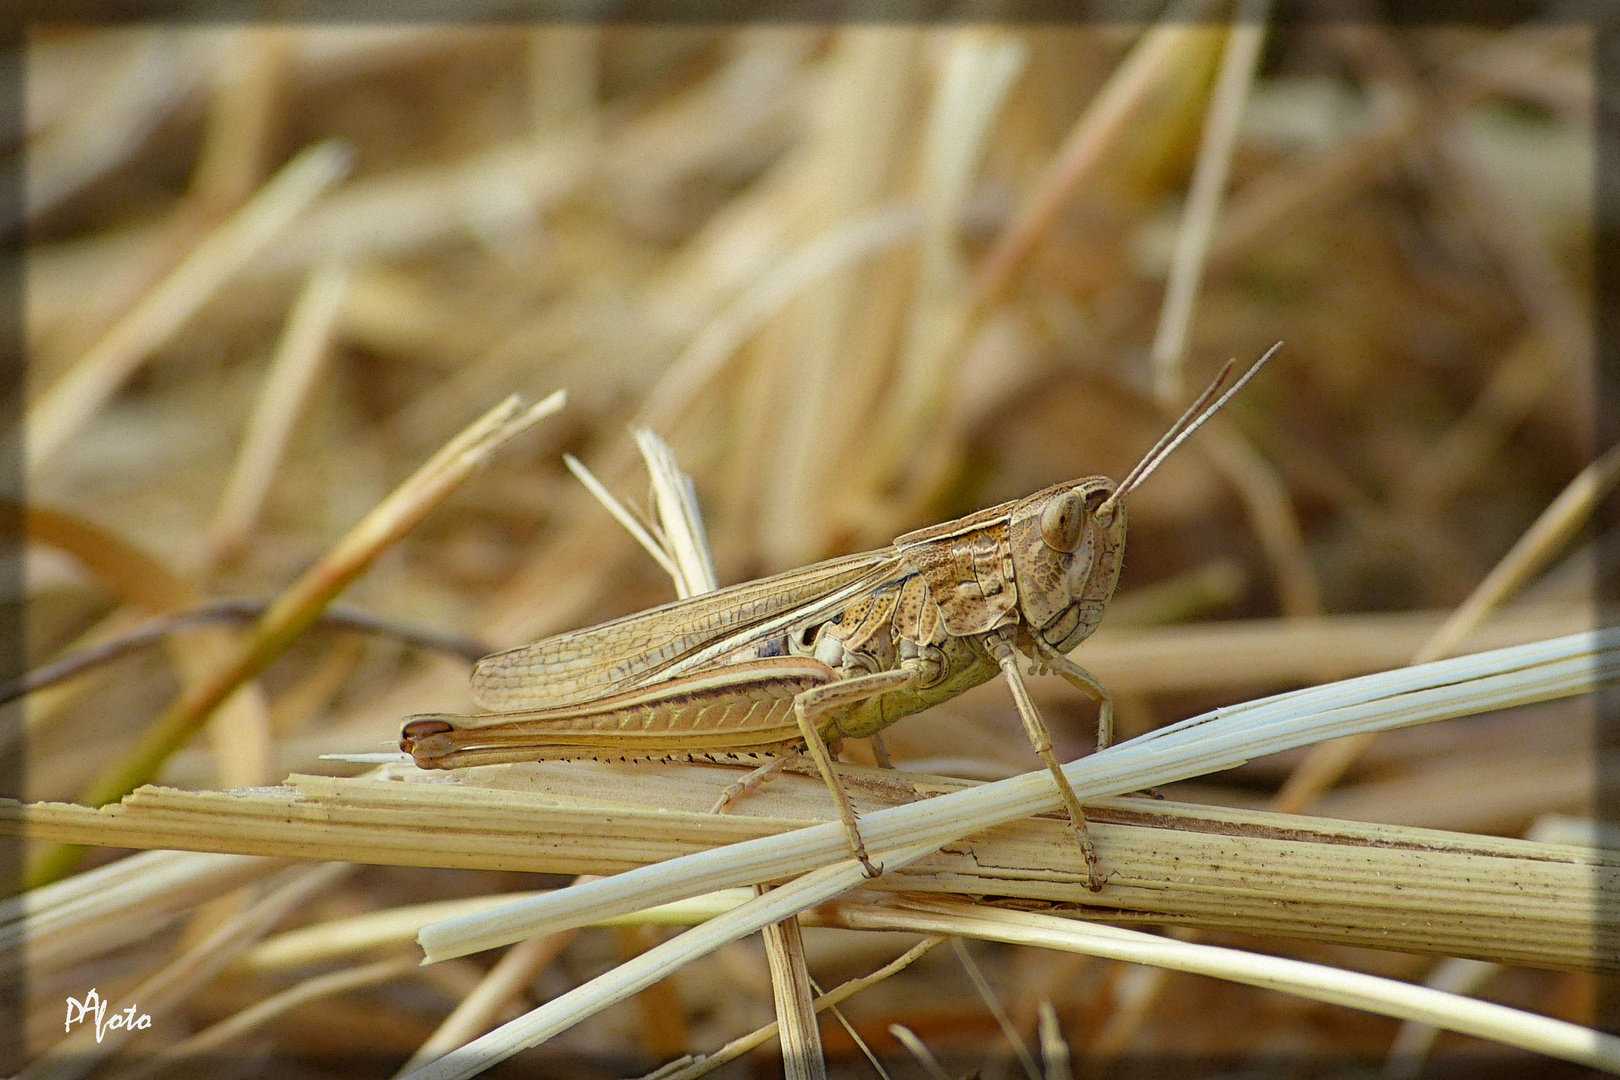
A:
[841,649]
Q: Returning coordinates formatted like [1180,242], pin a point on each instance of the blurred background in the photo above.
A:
[862,278]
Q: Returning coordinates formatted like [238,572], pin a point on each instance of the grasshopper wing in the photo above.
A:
[580,666]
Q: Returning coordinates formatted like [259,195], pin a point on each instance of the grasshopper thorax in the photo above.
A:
[1066,558]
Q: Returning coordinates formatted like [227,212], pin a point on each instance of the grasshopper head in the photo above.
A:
[1066,546]
[1068,540]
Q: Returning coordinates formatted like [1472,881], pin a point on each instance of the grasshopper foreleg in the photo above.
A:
[819,700]
[1040,738]
[1082,680]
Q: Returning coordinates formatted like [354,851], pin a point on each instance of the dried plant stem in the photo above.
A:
[919,1050]
[1268,652]
[1416,1039]
[293,371]
[241,730]
[1105,120]
[980,70]
[1003,1021]
[341,939]
[675,500]
[622,514]
[1464,686]
[1270,512]
[1539,545]
[249,72]
[113,905]
[69,404]
[687,543]
[1381,886]
[870,234]
[653,965]
[479,1010]
[1387,997]
[301,604]
[1055,1054]
[736,1048]
[234,610]
[802,1057]
[1238,64]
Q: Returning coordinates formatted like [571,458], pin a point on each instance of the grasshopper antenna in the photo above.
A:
[1180,431]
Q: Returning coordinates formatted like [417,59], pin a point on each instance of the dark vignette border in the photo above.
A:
[1602,16]
[1606,399]
[12,361]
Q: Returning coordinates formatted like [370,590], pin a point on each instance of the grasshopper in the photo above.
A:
[841,649]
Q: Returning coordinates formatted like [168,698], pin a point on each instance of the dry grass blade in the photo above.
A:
[687,544]
[236,610]
[1238,64]
[95,912]
[1241,653]
[479,1010]
[623,515]
[979,73]
[1103,123]
[78,395]
[301,604]
[250,73]
[1539,545]
[656,963]
[1003,1021]
[675,500]
[1377,886]
[736,1048]
[340,939]
[919,1050]
[293,371]
[1555,1038]
[709,351]
[1411,1048]
[1055,1056]
[802,1056]
[414,210]
[1271,514]
[855,1037]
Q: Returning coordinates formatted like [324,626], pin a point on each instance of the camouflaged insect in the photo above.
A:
[841,649]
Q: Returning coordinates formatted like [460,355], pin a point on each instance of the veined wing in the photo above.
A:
[580,666]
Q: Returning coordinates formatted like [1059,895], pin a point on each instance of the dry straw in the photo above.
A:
[1217,740]
[861,278]
[301,604]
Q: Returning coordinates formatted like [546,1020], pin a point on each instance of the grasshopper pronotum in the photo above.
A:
[841,649]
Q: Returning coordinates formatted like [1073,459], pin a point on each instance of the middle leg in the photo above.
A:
[820,700]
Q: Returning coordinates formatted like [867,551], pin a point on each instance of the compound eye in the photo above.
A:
[1063,521]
